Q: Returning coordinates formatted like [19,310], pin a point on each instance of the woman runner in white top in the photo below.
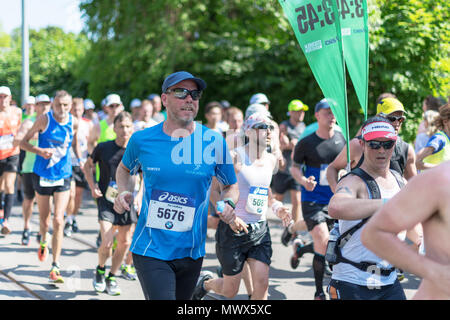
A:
[248,238]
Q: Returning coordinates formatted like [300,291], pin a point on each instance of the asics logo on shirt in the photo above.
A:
[260,191]
[172,198]
[163,197]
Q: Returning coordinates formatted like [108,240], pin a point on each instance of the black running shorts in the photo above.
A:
[79,178]
[315,213]
[48,191]
[232,249]
[27,185]
[107,213]
[167,280]
[282,182]
[10,164]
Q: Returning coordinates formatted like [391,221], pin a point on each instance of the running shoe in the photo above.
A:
[74,226]
[55,275]
[5,228]
[199,290]
[68,229]
[99,280]
[112,288]
[320,296]
[128,272]
[295,258]
[286,237]
[43,251]
[26,237]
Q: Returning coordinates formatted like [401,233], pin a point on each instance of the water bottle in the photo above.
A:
[330,255]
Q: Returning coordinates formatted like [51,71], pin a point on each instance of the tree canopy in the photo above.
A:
[240,47]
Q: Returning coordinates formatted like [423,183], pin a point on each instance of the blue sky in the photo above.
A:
[41,13]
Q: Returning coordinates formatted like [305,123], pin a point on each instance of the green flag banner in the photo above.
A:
[355,36]
[313,22]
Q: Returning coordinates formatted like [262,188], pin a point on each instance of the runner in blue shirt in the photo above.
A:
[53,171]
[178,158]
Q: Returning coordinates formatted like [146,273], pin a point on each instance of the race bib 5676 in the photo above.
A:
[170,211]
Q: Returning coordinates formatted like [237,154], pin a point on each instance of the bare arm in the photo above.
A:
[410,169]
[23,129]
[351,200]
[215,191]
[340,162]
[280,210]
[39,125]
[309,183]
[425,152]
[17,138]
[380,233]
[125,187]
[94,134]
[88,170]
[75,144]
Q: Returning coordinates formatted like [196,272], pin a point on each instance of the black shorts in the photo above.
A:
[27,185]
[167,280]
[315,213]
[79,178]
[232,249]
[343,290]
[10,164]
[107,213]
[282,182]
[48,191]
[21,159]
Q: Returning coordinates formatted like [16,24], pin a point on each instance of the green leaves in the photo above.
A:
[239,47]
[53,61]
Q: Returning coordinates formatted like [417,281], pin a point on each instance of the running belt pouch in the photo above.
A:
[374,193]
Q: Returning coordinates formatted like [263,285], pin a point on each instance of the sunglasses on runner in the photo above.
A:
[181,93]
[378,144]
[263,126]
[396,118]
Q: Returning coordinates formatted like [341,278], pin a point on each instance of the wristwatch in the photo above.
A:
[230,202]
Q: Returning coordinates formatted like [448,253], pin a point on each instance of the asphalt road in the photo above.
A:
[24,277]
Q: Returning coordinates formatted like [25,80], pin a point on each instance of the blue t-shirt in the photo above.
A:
[177,175]
[437,142]
[58,136]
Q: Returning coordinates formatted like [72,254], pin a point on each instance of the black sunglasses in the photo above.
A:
[396,118]
[263,126]
[378,144]
[181,93]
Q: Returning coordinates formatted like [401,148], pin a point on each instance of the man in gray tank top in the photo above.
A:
[352,203]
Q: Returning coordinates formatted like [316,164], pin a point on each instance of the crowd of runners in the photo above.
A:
[160,179]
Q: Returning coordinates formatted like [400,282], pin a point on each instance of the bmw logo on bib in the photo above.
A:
[169,225]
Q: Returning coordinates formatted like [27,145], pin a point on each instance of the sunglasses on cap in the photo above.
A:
[263,126]
[181,93]
[396,118]
[378,144]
